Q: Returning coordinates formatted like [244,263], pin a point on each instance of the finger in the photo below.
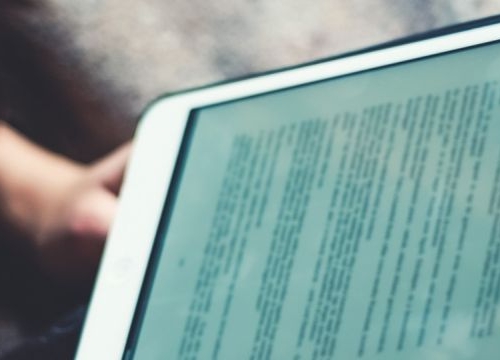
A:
[94,214]
[109,170]
[89,226]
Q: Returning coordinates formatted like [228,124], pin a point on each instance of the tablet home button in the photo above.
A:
[121,270]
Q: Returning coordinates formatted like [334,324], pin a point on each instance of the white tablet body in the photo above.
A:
[398,289]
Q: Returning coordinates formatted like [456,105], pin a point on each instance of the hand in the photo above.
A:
[73,223]
[59,209]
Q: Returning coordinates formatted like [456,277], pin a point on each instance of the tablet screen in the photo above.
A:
[356,217]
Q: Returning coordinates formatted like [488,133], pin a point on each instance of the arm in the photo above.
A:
[58,209]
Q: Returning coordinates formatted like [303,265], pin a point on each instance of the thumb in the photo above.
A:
[109,170]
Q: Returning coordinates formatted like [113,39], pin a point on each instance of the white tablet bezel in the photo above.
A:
[156,148]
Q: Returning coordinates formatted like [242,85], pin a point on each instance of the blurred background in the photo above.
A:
[75,75]
[89,67]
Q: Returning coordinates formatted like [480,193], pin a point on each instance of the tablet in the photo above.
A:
[344,209]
